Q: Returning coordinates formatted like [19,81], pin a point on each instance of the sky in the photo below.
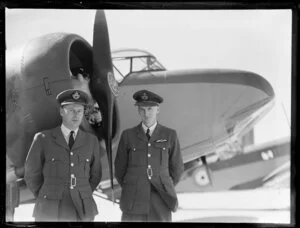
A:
[251,40]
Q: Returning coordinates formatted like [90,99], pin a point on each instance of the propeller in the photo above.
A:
[103,84]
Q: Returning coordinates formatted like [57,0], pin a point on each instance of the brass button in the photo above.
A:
[149,166]
[72,175]
[149,144]
[149,178]
[72,164]
[164,148]
[87,160]
[149,155]
[71,153]
[71,187]
[52,159]
[45,196]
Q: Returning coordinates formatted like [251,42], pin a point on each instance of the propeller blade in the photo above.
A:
[101,46]
[103,84]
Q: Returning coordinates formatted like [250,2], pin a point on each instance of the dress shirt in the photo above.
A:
[66,132]
[152,128]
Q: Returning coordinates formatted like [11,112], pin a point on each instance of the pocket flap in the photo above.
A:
[53,195]
[53,158]
[84,158]
[162,145]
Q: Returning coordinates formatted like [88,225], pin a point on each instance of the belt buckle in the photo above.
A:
[149,172]
[73,185]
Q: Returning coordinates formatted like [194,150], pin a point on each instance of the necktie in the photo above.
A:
[148,134]
[71,139]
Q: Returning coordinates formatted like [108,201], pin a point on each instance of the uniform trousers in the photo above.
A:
[159,211]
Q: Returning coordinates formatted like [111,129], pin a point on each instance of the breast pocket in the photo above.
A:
[164,152]
[54,166]
[85,164]
[137,155]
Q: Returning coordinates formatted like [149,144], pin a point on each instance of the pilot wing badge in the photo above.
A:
[161,140]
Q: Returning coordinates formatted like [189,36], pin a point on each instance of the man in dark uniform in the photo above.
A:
[148,165]
[63,165]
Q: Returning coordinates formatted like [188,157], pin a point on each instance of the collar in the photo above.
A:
[66,131]
[151,128]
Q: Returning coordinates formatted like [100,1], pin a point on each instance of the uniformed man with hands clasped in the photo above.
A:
[63,165]
[148,165]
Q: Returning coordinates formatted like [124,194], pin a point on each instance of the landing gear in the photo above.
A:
[202,175]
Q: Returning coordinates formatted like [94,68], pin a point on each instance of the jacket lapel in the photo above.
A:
[155,135]
[140,132]
[59,137]
[80,139]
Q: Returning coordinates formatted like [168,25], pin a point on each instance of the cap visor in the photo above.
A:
[72,102]
[147,103]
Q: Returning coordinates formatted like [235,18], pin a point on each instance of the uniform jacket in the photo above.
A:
[140,163]
[49,166]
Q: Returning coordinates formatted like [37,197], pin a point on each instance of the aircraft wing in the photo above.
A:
[208,108]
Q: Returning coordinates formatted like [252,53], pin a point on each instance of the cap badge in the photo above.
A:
[145,96]
[76,95]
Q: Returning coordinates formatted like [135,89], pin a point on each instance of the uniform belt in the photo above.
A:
[150,171]
[71,182]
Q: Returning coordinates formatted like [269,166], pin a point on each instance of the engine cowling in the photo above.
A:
[35,74]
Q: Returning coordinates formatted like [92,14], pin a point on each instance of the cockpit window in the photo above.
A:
[129,61]
[121,68]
